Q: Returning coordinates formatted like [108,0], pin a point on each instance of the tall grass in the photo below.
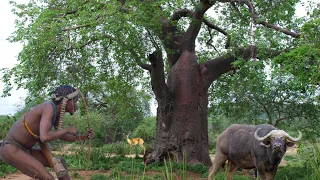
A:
[168,174]
[312,153]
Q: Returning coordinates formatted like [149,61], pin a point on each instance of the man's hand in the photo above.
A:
[89,134]
[72,130]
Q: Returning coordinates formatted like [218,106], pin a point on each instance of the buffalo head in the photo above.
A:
[277,139]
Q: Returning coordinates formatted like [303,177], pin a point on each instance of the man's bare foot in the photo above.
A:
[58,167]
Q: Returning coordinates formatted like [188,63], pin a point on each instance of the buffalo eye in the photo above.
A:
[266,142]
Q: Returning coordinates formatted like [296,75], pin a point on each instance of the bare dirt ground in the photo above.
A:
[86,174]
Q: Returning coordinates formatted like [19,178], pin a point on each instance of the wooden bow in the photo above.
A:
[88,121]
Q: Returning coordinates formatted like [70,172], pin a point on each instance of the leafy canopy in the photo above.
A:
[96,45]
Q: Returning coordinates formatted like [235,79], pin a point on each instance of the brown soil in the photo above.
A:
[86,175]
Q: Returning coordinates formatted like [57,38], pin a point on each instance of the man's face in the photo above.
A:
[72,105]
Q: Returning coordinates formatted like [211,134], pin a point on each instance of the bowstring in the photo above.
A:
[88,119]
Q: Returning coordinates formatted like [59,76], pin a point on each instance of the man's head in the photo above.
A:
[67,96]
[62,92]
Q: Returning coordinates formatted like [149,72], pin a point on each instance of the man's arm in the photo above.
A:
[45,125]
[73,138]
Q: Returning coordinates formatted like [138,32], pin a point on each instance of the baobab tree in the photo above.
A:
[183,45]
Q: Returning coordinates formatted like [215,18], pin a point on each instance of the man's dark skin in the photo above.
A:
[39,121]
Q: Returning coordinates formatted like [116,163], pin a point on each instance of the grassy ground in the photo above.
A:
[105,165]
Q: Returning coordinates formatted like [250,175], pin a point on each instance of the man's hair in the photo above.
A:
[61,92]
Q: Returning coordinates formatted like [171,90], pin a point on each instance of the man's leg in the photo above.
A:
[55,163]
[24,162]
[41,157]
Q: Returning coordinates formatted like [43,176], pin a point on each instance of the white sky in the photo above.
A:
[9,52]
[8,56]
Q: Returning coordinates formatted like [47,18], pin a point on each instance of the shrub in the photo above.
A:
[5,124]
[146,130]
[311,154]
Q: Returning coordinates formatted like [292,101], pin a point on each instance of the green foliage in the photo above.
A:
[167,174]
[98,177]
[66,40]
[76,175]
[146,129]
[303,62]
[258,94]
[97,122]
[105,124]
[310,152]
[120,148]
[6,169]
[5,124]
[58,37]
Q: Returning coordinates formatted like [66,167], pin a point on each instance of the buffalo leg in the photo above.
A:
[218,161]
[270,175]
[231,169]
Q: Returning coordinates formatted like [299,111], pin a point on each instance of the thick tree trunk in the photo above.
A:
[182,124]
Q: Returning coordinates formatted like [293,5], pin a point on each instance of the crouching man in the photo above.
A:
[17,149]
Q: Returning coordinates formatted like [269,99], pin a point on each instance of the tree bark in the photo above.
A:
[182,123]
[182,116]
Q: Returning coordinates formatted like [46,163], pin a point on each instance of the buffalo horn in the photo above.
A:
[264,137]
[291,139]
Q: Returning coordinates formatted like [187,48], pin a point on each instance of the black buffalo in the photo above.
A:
[247,146]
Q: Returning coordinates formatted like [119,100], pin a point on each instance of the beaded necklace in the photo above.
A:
[27,127]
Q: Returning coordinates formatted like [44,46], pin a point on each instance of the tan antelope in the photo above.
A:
[135,141]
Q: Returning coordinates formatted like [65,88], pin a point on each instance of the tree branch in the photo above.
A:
[280,119]
[214,68]
[194,27]
[68,28]
[213,26]
[177,15]
[72,11]
[209,41]
[159,86]
[264,106]
[255,18]
[134,54]
[267,111]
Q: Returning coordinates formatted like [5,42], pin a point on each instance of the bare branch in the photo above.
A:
[209,41]
[195,25]
[277,28]
[280,119]
[213,26]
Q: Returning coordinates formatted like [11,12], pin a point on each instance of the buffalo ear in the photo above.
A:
[290,144]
